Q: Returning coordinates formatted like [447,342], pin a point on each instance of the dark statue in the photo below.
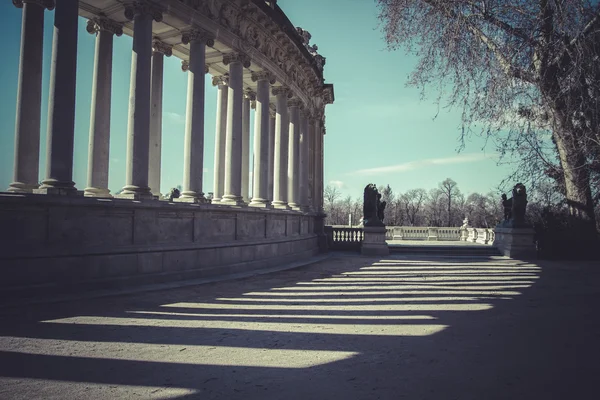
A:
[174,194]
[514,208]
[372,206]
[507,207]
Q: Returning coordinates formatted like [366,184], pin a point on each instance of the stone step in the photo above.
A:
[445,250]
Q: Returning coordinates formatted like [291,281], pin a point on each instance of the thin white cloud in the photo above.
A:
[412,165]
[174,117]
[337,184]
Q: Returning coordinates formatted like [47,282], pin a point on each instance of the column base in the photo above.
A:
[295,206]
[280,205]
[96,192]
[260,203]
[191,197]
[135,193]
[231,200]
[55,187]
[22,187]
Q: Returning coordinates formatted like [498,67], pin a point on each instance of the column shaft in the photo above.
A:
[317,168]
[220,135]
[233,141]
[271,154]
[138,130]
[311,164]
[61,104]
[303,173]
[156,103]
[193,160]
[281,152]
[260,173]
[246,147]
[99,145]
[29,101]
[293,155]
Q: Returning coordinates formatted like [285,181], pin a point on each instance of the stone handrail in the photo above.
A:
[475,235]
[344,238]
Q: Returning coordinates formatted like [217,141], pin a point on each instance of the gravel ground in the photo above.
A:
[405,327]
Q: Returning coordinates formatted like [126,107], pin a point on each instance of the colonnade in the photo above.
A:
[288,135]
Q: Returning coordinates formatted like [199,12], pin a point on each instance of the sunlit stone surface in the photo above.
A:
[353,328]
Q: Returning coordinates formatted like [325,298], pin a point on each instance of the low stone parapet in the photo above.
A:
[63,241]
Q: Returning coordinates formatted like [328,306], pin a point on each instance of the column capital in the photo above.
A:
[295,102]
[222,80]
[272,112]
[161,47]
[48,4]
[137,7]
[250,94]
[282,90]
[263,75]
[185,65]
[198,35]
[102,23]
[236,57]
[253,104]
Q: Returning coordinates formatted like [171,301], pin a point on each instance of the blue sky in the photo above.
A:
[377,131]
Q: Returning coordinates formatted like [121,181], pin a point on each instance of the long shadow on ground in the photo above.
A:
[353,328]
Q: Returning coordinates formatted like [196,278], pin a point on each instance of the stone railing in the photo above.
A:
[475,235]
[422,233]
[344,238]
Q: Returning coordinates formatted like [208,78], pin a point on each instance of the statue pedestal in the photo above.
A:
[515,242]
[374,243]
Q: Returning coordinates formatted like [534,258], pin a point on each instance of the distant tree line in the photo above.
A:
[446,205]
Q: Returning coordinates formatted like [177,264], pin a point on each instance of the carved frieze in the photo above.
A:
[102,23]
[161,47]
[222,80]
[236,57]
[48,4]
[198,35]
[143,7]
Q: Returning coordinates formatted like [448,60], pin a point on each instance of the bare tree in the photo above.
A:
[450,190]
[413,203]
[517,68]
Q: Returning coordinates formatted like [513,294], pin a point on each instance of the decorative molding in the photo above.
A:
[102,23]
[295,102]
[198,35]
[250,94]
[282,90]
[236,57]
[161,47]
[136,7]
[263,75]
[222,80]
[47,4]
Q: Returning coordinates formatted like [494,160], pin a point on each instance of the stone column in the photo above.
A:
[249,96]
[318,178]
[159,51]
[311,163]
[303,173]
[193,153]
[280,160]
[260,175]
[271,152]
[29,96]
[61,103]
[233,141]
[99,143]
[222,83]
[293,154]
[138,130]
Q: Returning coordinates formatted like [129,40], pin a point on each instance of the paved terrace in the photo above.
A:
[405,327]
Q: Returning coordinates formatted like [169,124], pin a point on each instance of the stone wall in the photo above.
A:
[75,243]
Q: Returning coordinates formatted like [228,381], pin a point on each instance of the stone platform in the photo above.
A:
[411,327]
